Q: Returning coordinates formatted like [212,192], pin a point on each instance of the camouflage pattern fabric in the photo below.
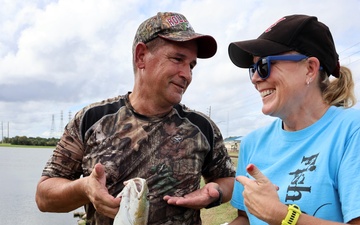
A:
[169,152]
[172,25]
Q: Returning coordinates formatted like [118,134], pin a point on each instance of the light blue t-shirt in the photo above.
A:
[317,168]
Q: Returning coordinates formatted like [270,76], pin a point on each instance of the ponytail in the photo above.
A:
[338,91]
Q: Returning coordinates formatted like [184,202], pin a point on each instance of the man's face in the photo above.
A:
[168,71]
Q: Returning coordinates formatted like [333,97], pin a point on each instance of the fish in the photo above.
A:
[134,205]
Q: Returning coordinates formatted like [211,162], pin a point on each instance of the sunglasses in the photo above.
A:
[263,65]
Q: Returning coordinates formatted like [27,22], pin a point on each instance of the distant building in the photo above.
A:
[233,143]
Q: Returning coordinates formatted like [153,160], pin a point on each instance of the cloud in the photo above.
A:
[58,56]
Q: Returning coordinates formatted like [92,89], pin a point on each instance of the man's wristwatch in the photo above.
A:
[217,202]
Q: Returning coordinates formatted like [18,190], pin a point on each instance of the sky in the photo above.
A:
[59,56]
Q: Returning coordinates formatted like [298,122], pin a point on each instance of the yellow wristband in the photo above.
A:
[292,215]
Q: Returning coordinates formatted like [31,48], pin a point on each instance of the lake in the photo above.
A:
[20,170]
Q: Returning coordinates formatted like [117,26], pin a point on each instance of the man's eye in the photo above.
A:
[177,59]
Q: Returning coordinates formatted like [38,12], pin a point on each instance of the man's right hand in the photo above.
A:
[98,194]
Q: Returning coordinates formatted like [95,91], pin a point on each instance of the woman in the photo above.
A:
[303,167]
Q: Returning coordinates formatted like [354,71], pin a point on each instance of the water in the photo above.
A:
[20,170]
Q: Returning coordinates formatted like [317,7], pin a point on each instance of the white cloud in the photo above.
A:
[62,55]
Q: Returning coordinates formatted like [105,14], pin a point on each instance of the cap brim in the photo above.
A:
[206,44]
[241,53]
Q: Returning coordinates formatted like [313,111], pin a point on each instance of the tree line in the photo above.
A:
[33,141]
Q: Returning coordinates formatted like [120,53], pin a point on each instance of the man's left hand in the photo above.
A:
[197,199]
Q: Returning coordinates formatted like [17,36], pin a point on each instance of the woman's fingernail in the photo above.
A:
[250,168]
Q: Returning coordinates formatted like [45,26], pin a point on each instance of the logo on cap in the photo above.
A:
[273,25]
[177,19]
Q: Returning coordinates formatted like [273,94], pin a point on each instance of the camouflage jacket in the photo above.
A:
[171,153]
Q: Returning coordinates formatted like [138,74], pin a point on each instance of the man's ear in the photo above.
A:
[139,55]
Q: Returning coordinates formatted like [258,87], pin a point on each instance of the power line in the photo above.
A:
[353,61]
[350,55]
[349,48]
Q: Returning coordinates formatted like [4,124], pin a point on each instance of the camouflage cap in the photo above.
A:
[174,27]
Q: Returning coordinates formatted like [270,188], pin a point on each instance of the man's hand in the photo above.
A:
[98,194]
[197,199]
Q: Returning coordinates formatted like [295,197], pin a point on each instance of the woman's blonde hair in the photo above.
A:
[338,91]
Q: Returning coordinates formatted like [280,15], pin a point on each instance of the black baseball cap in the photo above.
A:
[301,33]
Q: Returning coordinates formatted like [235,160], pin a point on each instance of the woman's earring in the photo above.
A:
[308,82]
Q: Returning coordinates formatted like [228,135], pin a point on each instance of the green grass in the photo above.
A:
[221,214]
[23,146]
[218,215]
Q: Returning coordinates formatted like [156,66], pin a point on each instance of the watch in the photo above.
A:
[292,215]
[217,202]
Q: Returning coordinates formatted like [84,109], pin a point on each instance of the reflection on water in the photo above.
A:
[20,170]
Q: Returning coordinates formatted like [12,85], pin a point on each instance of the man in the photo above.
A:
[145,133]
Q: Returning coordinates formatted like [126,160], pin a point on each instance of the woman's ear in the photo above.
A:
[139,55]
[313,64]
[313,67]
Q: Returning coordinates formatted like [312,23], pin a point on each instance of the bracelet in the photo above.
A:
[217,202]
[292,215]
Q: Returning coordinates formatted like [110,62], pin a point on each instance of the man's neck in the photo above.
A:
[146,107]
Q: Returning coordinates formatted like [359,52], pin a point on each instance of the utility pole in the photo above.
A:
[2,132]
[209,112]
[61,122]
[52,126]
[227,125]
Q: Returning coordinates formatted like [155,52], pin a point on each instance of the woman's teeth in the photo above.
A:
[266,93]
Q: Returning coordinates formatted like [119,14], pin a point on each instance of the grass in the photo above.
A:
[23,146]
[224,213]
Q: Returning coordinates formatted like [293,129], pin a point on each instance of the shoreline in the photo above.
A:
[24,146]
